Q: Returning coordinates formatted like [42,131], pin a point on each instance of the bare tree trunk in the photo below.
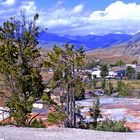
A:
[71,109]
[67,108]
[74,113]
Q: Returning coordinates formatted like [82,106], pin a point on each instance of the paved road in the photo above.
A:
[12,133]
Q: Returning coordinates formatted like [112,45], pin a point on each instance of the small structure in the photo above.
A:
[131,65]
[40,104]
[97,71]
[4,113]
[112,74]
[119,70]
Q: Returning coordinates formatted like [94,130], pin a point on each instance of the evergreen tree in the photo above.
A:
[19,67]
[109,88]
[104,72]
[69,63]
[119,63]
[95,111]
[130,72]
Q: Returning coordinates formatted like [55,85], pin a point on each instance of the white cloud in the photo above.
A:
[8,2]
[117,17]
[77,9]
[29,7]
[118,11]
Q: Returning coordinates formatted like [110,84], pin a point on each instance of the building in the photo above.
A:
[40,104]
[97,71]
[119,70]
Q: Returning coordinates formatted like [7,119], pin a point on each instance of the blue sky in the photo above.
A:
[78,17]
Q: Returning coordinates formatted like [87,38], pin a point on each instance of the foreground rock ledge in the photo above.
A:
[12,133]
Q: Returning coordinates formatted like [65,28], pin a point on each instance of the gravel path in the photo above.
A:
[12,133]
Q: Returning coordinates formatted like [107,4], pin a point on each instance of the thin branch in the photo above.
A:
[34,117]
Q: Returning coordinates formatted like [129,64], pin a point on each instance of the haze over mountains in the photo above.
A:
[90,42]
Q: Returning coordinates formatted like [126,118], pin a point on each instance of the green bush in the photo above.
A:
[124,89]
[108,88]
[56,117]
[114,126]
[37,124]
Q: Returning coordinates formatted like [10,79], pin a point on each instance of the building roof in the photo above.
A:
[118,68]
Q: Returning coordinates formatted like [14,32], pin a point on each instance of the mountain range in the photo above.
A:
[107,48]
[89,42]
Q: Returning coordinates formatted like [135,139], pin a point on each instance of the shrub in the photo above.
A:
[124,89]
[37,124]
[95,111]
[56,117]
[109,88]
[114,126]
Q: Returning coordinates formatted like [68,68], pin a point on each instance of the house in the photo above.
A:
[112,74]
[97,71]
[131,65]
[119,70]
[40,104]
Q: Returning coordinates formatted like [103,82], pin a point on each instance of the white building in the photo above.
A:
[97,73]
[111,74]
[131,65]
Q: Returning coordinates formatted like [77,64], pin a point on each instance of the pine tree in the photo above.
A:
[20,67]
[69,63]
[104,72]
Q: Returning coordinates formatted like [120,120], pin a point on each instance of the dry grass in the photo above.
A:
[110,56]
[134,83]
[47,75]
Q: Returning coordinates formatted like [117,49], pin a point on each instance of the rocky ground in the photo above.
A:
[127,109]
[12,133]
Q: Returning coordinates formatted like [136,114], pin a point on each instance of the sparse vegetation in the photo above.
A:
[109,88]
[56,117]
[113,126]
[37,124]
[104,72]
[130,72]
[124,89]
[95,111]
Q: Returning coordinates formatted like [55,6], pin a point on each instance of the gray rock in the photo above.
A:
[12,133]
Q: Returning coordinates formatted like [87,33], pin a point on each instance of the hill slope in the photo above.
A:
[108,48]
